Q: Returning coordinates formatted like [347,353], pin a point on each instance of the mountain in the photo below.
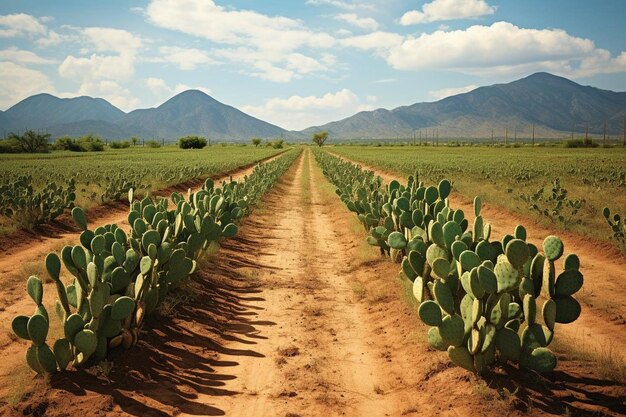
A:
[44,111]
[193,112]
[553,104]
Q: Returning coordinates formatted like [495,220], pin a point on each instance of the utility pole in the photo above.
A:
[437,136]
[604,137]
[533,135]
[420,131]
[506,136]
[515,137]
[492,142]
[624,144]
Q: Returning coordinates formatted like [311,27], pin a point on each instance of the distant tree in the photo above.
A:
[320,137]
[153,144]
[192,142]
[256,141]
[134,140]
[278,144]
[119,144]
[30,141]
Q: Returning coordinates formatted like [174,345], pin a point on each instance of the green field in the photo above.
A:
[106,176]
[509,177]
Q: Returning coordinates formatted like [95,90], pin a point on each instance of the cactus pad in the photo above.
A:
[567,309]
[443,297]
[517,252]
[507,275]
[86,342]
[540,359]
[122,308]
[37,327]
[34,288]
[430,313]
[435,340]
[452,330]
[553,248]
[460,356]
[508,344]
[568,282]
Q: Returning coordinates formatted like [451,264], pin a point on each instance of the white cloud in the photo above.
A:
[451,91]
[361,22]
[20,24]
[162,90]
[341,4]
[18,82]
[109,90]
[112,40]
[447,10]
[98,67]
[268,43]
[23,57]
[52,38]
[297,112]
[499,49]
[185,58]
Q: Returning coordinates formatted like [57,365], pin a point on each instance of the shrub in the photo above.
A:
[580,143]
[278,144]
[122,144]
[192,142]
[29,142]
[87,143]
[153,144]
[256,141]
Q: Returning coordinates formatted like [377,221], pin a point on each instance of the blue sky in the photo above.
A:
[298,63]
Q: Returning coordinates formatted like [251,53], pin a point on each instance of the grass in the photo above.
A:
[501,175]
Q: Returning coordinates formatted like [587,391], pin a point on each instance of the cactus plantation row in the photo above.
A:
[486,301]
[117,277]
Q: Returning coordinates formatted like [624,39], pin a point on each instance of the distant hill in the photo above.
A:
[195,113]
[553,104]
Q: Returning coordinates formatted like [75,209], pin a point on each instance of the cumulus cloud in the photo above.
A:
[18,82]
[184,58]
[298,112]
[501,48]
[272,40]
[361,22]
[14,54]
[20,24]
[447,10]
[451,91]
[341,4]
[109,90]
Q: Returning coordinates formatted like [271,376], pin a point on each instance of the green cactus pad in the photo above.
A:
[553,248]
[408,270]
[79,258]
[418,289]
[568,282]
[46,359]
[479,228]
[98,244]
[417,262]
[517,253]
[514,311]
[571,261]
[530,309]
[396,240]
[145,265]
[488,335]
[533,337]
[567,309]
[444,189]
[450,231]
[507,275]
[151,237]
[98,298]
[120,279]
[540,359]
[431,194]
[457,248]
[73,324]
[37,328]
[122,308]
[460,356]
[488,280]
[508,344]
[443,297]
[477,206]
[485,250]
[20,326]
[230,230]
[526,286]
[441,268]
[63,353]
[452,330]
[32,360]
[435,231]
[549,313]
[435,340]
[92,274]
[79,217]
[430,313]
[520,232]
[469,260]
[433,252]
[53,266]
[34,287]
[474,343]
[536,273]
[477,310]
[86,342]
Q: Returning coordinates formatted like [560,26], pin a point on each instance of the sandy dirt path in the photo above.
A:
[602,324]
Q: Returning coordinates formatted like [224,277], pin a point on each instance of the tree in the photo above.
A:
[134,140]
[30,141]
[192,142]
[320,137]
[256,141]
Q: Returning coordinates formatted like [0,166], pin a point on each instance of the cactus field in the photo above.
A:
[341,280]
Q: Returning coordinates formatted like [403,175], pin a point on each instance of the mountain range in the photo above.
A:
[552,104]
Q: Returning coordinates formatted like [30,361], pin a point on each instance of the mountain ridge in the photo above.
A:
[552,104]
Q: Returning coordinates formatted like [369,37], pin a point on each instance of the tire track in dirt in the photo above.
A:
[318,359]
[602,323]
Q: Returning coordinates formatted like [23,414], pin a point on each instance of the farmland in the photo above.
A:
[510,177]
[102,177]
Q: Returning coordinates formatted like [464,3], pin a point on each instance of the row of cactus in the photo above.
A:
[117,278]
[617,224]
[20,199]
[479,296]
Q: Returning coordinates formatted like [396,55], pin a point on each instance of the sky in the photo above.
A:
[299,63]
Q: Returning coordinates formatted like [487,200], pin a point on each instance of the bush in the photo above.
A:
[278,144]
[8,146]
[122,144]
[580,143]
[29,142]
[192,142]
[87,143]
[153,144]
